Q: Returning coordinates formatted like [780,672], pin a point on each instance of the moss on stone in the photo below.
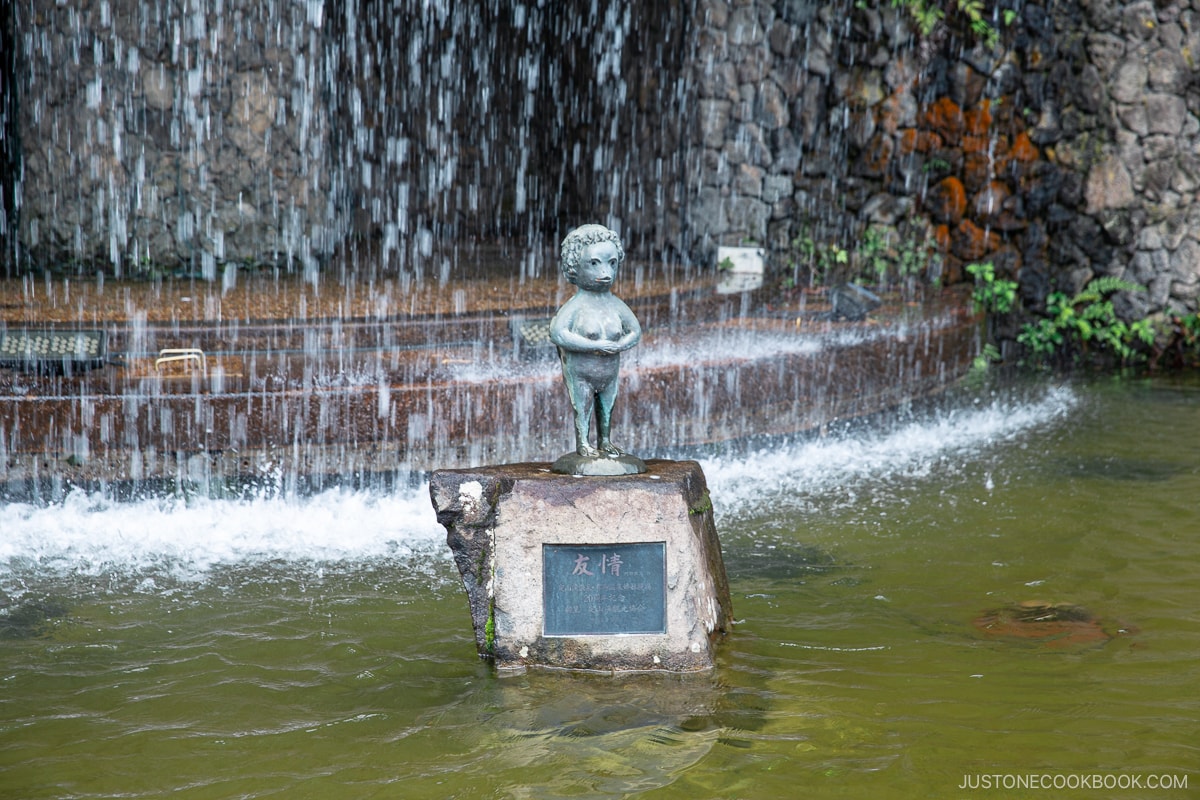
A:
[703,506]
[489,630]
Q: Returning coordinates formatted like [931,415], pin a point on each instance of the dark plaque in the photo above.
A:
[602,589]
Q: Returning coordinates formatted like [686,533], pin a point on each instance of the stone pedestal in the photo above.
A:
[598,573]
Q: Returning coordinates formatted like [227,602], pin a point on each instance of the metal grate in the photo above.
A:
[531,338]
[34,348]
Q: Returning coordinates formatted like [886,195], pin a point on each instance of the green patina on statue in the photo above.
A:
[591,330]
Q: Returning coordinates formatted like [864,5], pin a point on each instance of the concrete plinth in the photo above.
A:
[608,573]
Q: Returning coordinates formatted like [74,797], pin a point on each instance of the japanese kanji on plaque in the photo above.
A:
[604,589]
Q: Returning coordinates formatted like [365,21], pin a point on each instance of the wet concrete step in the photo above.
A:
[372,410]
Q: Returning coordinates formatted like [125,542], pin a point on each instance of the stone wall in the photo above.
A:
[790,99]
[1143,68]
[1070,150]
[829,121]
[204,132]
[182,133]
[198,133]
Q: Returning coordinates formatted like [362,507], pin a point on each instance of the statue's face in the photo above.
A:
[597,266]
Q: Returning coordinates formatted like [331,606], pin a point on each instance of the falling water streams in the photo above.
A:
[291,386]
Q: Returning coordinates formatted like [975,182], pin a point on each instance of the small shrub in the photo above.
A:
[1086,323]
[992,295]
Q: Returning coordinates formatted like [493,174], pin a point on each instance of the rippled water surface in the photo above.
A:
[321,647]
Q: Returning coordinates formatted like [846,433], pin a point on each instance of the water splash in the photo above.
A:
[795,473]
[93,535]
[88,534]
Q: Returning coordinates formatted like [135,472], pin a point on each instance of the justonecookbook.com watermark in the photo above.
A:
[1070,780]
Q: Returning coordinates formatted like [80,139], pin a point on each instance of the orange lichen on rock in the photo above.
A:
[1023,148]
[941,235]
[971,242]
[913,140]
[946,201]
[877,156]
[978,121]
[945,118]
[977,170]
[976,144]
[989,202]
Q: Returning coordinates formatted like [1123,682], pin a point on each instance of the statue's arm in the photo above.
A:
[633,329]
[563,336]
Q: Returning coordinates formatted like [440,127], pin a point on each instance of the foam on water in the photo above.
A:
[91,534]
[789,475]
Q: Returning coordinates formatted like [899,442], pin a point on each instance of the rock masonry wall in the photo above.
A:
[1142,69]
[205,131]
[1071,150]
[174,132]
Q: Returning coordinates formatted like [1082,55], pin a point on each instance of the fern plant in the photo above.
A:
[1086,322]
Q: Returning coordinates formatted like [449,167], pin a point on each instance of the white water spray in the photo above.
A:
[91,535]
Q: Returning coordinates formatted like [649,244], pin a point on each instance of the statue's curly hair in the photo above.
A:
[575,242]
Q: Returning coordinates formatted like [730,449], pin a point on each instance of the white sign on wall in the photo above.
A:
[741,269]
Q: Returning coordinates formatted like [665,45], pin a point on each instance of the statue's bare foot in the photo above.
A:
[587,451]
[611,449]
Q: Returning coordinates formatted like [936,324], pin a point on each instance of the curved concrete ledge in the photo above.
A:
[277,413]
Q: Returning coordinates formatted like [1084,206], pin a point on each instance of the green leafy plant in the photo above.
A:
[1085,323]
[821,260]
[883,256]
[1176,341]
[880,256]
[928,14]
[1189,327]
[988,356]
[935,164]
[991,295]
[873,254]
[1084,326]
[912,257]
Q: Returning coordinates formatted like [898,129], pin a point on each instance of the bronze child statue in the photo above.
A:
[591,330]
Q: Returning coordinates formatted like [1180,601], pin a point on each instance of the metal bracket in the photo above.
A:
[189,355]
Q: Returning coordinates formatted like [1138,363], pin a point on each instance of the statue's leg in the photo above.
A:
[605,399]
[581,395]
[580,392]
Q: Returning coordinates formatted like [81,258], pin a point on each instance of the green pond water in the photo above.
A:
[321,647]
